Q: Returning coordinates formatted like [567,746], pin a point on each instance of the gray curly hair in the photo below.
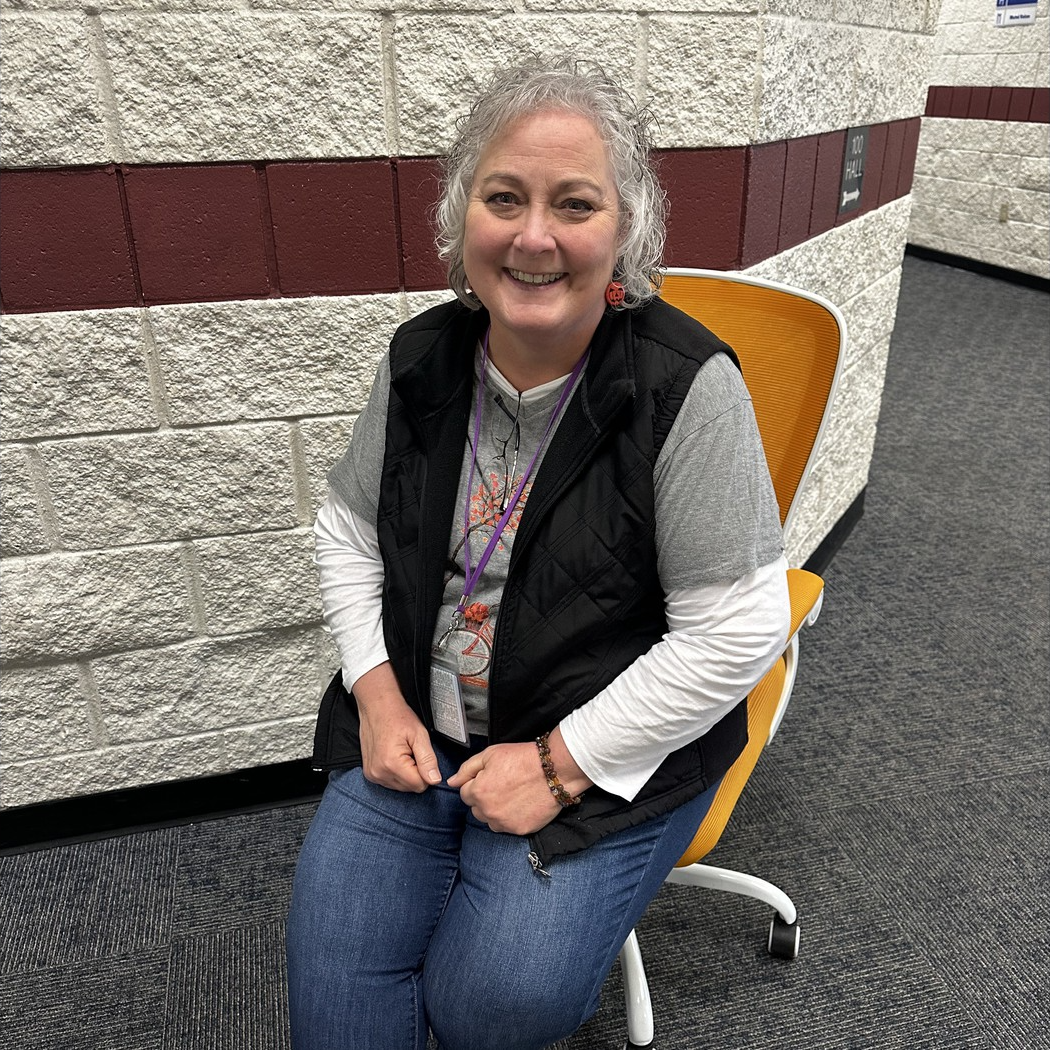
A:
[578,87]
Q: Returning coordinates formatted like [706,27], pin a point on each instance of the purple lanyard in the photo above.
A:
[472,575]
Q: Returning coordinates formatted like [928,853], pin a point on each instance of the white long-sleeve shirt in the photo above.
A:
[722,638]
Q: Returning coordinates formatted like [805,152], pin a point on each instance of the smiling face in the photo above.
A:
[540,240]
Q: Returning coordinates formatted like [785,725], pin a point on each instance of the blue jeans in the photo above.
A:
[408,913]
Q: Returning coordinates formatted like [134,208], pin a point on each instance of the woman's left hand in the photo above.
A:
[505,786]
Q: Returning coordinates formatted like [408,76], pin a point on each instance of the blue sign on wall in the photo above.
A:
[1009,13]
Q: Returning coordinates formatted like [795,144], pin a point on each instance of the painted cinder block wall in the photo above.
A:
[213,218]
[982,178]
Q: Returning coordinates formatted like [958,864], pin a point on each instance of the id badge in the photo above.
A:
[446,697]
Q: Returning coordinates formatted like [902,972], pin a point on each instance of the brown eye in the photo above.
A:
[577,207]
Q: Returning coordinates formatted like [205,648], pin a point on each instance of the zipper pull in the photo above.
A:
[537,864]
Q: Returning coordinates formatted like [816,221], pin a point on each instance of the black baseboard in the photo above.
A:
[961,262]
[151,806]
[820,559]
[129,810]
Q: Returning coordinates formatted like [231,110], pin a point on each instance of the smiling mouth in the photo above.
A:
[535,278]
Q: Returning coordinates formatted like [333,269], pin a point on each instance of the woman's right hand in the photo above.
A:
[395,746]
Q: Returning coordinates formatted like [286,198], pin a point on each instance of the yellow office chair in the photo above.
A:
[790,344]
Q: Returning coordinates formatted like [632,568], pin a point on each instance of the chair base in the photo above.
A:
[713,878]
[636,995]
[782,942]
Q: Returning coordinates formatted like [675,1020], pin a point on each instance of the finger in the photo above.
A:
[398,772]
[425,759]
[470,769]
[395,779]
[492,824]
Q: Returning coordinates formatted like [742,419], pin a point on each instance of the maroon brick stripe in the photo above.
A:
[126,235]
[1031,105]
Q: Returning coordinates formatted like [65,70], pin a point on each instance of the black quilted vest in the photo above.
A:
[582,599]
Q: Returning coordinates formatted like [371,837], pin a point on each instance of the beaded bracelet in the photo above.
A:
[557,788]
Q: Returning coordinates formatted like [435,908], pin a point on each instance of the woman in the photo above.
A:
[553,565]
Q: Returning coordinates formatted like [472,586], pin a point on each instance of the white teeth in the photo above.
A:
[535,278]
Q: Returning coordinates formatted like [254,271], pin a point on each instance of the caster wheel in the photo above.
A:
[783,938]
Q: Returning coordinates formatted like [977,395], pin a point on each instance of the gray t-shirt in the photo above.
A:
[716,512]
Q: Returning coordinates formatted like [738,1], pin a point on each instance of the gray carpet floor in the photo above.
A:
[903,804]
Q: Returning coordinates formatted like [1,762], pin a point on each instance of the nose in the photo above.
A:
[535,236]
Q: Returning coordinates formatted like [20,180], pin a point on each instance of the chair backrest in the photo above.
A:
[790,344]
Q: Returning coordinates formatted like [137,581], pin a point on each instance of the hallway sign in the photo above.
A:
[853,169]
[1010,13]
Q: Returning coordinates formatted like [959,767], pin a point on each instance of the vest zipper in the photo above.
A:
[536,858]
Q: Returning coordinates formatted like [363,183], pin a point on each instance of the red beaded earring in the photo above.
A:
[614,293]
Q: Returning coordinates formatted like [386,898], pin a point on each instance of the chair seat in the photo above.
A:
[763,707]
[762,703]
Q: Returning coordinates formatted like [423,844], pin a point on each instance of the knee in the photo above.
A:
[468,1010]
